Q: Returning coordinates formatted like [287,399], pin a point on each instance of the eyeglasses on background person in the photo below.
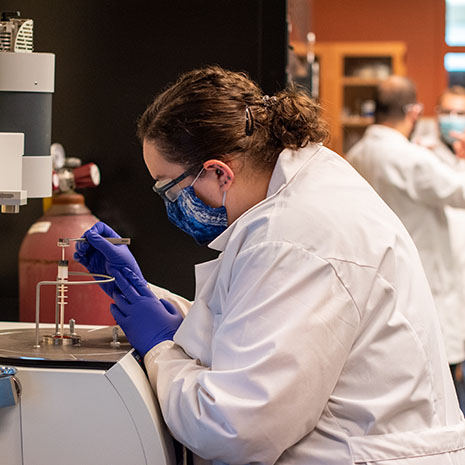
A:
[445,111]
[416,107]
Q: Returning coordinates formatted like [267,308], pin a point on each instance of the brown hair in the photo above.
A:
[213,112]
[454,90]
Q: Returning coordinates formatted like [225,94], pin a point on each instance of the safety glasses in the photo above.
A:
[168,189]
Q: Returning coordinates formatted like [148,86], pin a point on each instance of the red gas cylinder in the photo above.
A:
[68,217]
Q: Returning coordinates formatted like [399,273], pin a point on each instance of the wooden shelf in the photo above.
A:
[343,90]
[359,121]
[358,81]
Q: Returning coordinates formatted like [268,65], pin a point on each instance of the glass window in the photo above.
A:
[455,67]
[455,22]
[454,62]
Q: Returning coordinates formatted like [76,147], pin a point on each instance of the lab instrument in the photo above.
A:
[26,86]
[61,386]
[62,282]
[77,404]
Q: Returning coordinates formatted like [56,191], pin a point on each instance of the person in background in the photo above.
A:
[418,187]
[313,337]
[445,136]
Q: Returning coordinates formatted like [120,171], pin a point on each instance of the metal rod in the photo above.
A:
[37,345]
[57,311]
[112,240]
[62,309]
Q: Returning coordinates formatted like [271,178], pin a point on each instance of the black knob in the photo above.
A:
[7,15]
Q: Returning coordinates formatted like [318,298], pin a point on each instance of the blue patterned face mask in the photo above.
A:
[194,217]
[449,123]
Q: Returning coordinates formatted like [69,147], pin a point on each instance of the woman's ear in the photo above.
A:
[223,172]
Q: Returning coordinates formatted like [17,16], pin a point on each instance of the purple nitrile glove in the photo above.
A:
[98,255]
[145,319]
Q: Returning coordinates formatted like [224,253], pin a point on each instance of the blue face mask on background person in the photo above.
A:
[194,217]
[449,123]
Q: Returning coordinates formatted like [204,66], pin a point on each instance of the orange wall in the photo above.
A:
[418,23]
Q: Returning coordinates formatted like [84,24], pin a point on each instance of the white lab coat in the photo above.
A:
[419,187]
[313,338]
[427,135]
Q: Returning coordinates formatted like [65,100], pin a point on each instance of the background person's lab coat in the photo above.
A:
[418,187]
[313,338]
[427,135]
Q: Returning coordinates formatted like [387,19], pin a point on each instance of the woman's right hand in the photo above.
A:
[99,256]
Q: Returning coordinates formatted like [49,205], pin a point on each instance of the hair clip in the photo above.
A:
[249,122]
[269,101]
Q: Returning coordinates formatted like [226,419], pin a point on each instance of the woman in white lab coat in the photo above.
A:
[313,338]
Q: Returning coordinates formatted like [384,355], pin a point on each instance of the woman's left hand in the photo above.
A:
[145,319]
